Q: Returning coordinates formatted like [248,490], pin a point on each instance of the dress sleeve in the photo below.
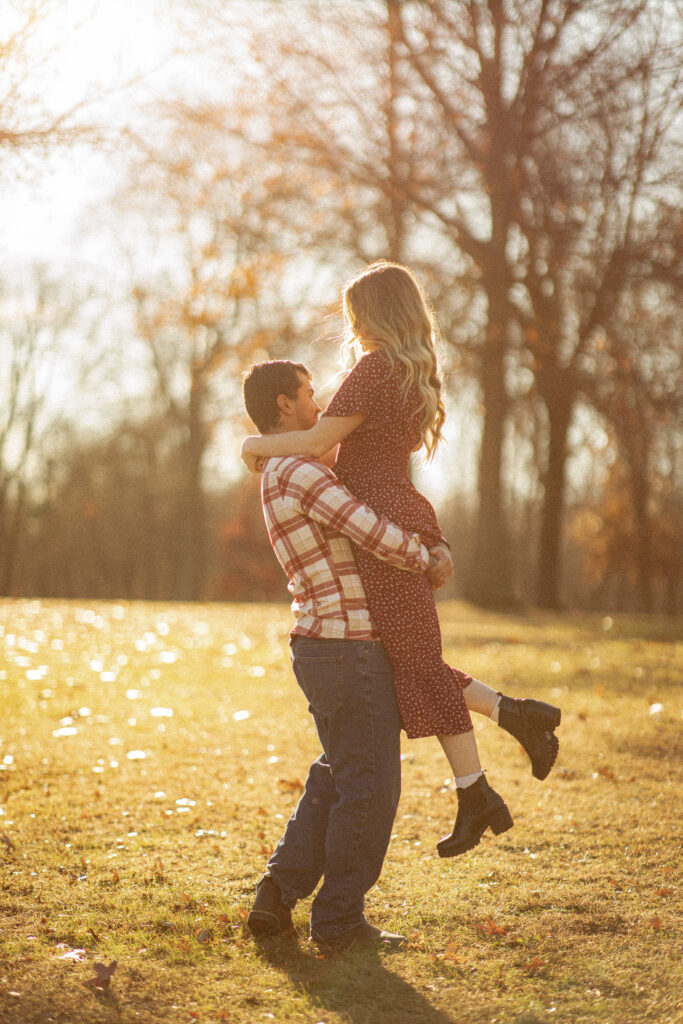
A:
[364,389]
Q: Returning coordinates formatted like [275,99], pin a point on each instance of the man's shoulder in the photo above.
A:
[299,470]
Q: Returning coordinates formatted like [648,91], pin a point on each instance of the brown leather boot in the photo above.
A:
[479,808]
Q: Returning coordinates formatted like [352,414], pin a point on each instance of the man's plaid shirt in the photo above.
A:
[311,517]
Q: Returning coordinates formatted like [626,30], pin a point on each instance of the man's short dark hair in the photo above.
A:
[263,383]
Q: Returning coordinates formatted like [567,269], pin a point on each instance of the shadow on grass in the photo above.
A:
[357,984]
[665,747]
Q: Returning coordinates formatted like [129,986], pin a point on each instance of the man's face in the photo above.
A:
[305,409]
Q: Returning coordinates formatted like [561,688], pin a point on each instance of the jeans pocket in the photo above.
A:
[322,681]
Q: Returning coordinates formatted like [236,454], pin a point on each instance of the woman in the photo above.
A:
[388,406]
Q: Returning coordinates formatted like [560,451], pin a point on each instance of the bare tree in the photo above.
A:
[33,322]
[508,148]
[214,308]
[639,392]
[584,233]
[30,125]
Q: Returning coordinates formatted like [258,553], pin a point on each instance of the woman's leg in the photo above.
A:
[481,698]
[531,722]
[462,754]
[479,806]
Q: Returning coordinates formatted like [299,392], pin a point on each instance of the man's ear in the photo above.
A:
[283,403]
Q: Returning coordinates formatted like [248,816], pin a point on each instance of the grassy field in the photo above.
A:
[150,755]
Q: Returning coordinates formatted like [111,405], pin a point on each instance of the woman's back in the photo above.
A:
[373,461]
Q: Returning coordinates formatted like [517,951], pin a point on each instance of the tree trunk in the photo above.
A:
[490,576]
[559,407]
[639,496]
[13,528]
[195,501]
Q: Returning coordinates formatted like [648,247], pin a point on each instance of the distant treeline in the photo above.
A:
[116,521]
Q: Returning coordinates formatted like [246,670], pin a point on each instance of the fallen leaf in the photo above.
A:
[242,913]
[656,923]
[664,892]
[102,977]
[535,966]
[202,935]
[451,953]
[491,928]
[291,783]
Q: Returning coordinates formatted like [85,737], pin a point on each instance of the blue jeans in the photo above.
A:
[342,824]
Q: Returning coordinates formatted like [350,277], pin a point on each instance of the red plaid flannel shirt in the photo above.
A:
[311,517]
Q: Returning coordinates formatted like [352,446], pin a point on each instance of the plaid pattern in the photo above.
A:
[310,518]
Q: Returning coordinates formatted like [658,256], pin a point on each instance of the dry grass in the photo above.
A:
[150,859]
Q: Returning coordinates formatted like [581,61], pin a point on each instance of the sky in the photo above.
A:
[97,47]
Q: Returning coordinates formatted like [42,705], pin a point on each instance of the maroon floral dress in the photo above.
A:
[373,463]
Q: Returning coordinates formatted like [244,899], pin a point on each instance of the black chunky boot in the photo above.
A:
[479,807]
[532,722]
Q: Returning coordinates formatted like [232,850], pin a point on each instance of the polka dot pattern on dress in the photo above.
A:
[373,463]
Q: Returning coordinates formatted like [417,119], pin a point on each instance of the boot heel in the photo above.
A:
[501,821]
[547,716]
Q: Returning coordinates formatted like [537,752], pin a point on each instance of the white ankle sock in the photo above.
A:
[494,714]
[463,781]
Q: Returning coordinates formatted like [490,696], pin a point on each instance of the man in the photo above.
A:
[341,826]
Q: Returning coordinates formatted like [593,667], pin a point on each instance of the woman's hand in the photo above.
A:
[329,458]
[254,463]
[441,571]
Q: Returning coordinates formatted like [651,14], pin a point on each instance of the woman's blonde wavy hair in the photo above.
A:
[385,305]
